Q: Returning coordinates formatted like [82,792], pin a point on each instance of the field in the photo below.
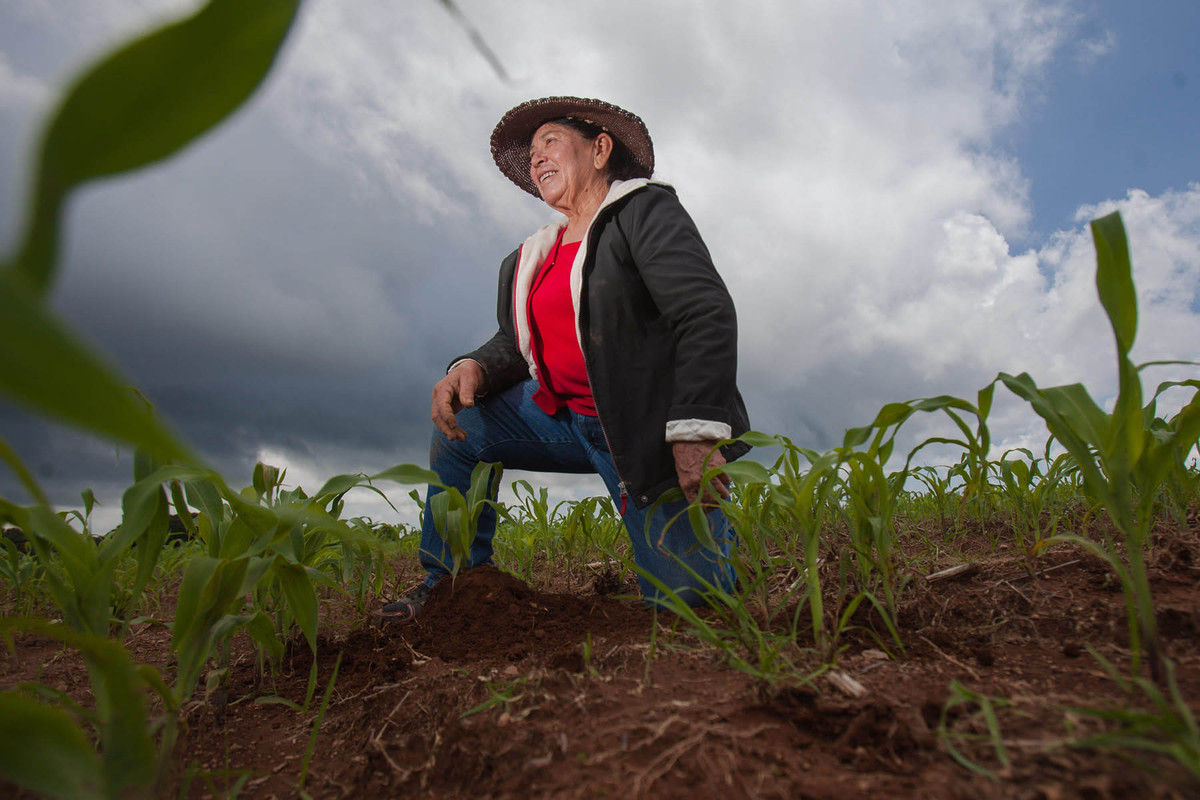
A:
[992,623]
[506,690]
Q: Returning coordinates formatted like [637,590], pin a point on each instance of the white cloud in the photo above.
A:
[822,152]
[1091,50]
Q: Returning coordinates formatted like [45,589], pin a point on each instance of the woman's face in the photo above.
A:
[562,164]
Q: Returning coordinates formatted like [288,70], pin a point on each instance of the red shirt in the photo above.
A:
[562,374]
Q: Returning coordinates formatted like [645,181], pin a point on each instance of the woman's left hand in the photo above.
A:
[690,460]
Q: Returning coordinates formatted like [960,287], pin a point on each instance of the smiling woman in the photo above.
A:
[616,354]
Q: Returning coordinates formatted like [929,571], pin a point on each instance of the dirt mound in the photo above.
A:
[490,617]
[489,695]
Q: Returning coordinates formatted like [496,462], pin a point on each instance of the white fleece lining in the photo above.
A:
[697,430]
[533,253]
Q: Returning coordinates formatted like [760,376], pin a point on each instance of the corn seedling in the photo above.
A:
[316,729]
[1030,494]
[1168,727]
[1122,460]
[503,695]
[457,517]
[987,707]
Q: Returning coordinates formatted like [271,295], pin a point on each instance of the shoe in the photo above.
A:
[406,608]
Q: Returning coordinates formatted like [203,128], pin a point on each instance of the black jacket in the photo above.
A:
[657,329]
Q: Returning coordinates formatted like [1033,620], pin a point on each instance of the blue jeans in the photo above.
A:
[510,428]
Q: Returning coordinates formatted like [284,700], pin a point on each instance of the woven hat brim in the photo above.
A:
[511,136]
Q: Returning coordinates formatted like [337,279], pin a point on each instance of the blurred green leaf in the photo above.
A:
[126,765]
[143,103]
[43,749]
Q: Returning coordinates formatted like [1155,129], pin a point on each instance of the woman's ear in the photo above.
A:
[602,147]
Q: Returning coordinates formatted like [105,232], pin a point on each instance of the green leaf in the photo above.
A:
[181,509]
[254,573]
[209,589]
[757,439]
[481,484]
[408,474]
[152,543]
[262,631]
[259,480]
[237,539]
[700,527]
[1114,280]
[43,749]
[340,484]
[196,575]
[121,703]
[746,472]
[143,103]
[301,597]
[89,501]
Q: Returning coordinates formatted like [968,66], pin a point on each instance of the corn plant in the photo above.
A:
[1181,484]
[590,528]
[457,517]
[363,569]
[528,526]
[22,576]
[798,501]
[868,494]
[1031,493]
[1122,460]
[568,534]
[939,493]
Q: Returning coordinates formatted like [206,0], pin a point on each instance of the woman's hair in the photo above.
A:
[621,165]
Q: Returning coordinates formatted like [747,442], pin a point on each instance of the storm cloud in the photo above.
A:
[291,286]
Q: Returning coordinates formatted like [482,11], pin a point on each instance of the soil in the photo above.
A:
[500,690]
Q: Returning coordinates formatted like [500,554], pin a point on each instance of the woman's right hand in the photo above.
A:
[453,393]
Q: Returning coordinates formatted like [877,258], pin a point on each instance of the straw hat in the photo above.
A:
[511,138]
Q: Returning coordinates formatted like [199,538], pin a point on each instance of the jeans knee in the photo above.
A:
[438,444]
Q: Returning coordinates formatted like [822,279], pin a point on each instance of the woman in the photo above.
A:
[616,353]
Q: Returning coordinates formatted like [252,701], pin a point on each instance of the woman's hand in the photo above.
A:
[690,464]
[455,392]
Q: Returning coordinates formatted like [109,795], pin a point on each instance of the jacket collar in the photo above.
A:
[536,247]
[534,250]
